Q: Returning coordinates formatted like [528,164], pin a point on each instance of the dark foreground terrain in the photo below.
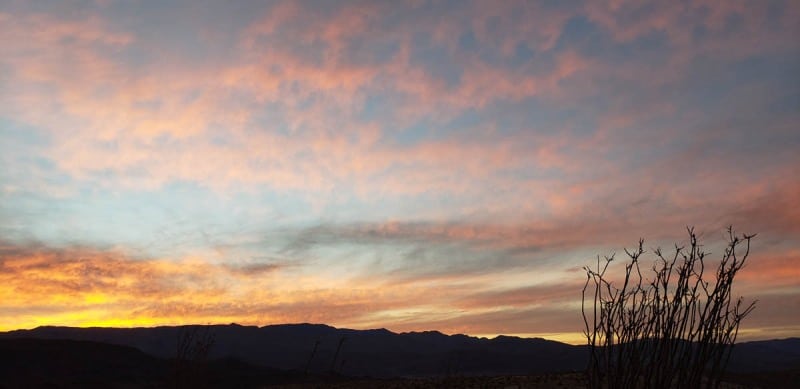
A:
[298,356]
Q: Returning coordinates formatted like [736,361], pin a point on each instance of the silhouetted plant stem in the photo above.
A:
[192,348]
[676,330]
[336,355]
[311,357]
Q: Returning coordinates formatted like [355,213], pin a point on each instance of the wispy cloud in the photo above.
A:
[382,148]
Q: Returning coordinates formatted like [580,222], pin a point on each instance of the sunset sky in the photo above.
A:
[413,165]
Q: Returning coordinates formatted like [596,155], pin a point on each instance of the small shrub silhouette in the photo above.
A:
[193,345]
[675,330]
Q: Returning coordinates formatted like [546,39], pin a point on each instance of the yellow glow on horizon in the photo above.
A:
[573,338]
[91,288]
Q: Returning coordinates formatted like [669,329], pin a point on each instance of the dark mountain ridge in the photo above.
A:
[382,353]
[379,352]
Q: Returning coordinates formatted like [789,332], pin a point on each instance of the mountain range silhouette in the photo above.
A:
[286,352]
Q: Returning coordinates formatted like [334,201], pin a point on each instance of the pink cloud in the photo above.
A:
[104,102]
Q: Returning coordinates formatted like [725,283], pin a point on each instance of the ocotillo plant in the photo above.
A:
[675,330]
[192,348]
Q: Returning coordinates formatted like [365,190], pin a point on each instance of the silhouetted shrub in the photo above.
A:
[675,330]
[191,354]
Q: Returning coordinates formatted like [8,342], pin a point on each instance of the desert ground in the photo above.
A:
[785,380]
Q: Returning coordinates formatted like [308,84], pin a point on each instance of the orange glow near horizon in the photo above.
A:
[98,289]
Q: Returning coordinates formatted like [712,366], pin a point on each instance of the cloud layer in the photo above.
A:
[161,163]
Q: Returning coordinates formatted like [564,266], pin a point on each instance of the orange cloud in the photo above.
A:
[82,287]
[566,293]
[770,271]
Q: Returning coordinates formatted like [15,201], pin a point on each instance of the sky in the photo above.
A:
[409,165]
